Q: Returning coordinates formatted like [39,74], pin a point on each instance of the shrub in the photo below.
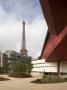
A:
[20,69]
[50,79]
[1,69]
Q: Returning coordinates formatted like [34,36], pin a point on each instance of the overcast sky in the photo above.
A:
[12,13]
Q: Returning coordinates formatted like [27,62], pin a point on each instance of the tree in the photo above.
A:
[20,69]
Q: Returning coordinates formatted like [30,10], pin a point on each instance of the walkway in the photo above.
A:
[24,84]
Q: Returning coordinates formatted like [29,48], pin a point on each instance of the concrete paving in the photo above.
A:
[25,84]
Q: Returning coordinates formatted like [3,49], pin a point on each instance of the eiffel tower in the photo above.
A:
[23,50]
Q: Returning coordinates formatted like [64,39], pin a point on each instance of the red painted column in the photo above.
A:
[58,68]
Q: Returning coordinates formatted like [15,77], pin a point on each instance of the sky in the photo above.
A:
[12,13]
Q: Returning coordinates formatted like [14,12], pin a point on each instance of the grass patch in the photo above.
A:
[3,79]
[50,79]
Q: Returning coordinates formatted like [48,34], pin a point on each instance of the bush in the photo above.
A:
[50,79]
[20,69]
[1,70]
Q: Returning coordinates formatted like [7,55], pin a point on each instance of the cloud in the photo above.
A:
[11,30]
[22,8]
[35,34]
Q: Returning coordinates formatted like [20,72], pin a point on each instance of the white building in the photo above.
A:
[41,66]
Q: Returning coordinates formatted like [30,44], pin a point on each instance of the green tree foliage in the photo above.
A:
[1,70]
[20,69]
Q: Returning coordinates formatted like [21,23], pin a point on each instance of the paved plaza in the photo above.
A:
[25,84]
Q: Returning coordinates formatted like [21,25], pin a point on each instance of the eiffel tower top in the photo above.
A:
[23,50]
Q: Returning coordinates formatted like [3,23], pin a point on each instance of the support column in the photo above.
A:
[58,68]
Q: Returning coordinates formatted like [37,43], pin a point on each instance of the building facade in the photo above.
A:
[1,59]
[3,62]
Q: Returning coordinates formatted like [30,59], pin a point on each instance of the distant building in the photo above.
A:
[1,59]
[40,67]
[12,56]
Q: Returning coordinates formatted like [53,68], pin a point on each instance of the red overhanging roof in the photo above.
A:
[55,12]
[53,43]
